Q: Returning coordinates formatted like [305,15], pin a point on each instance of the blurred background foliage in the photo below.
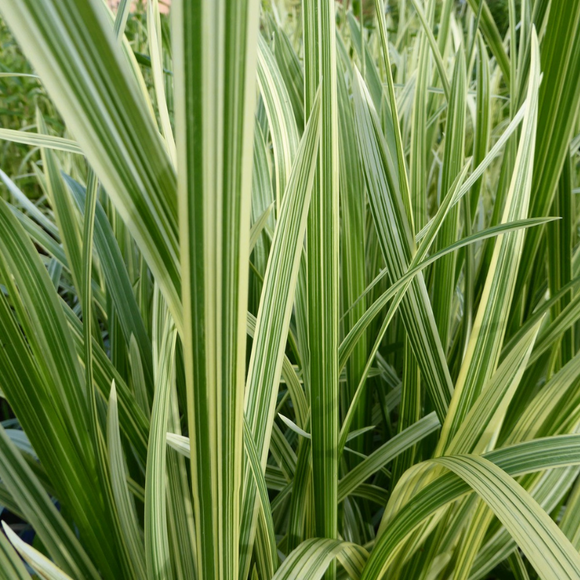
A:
[20,96]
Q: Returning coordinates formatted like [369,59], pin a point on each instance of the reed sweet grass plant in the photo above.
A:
[299,296]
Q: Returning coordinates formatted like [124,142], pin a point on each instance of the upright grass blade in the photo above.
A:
[281,120]
[558,108]
[560,246]
[492,36]
[215,65]
[418,150]
[154,35]
[266,553]
[125,505]
[483,119]
[443,278]
[394,114]
[410,407]
[180,523]
[484,346]
[323,265]
[435,49]
[369,69]
[263,211]
[156,541]
[270,334]
[64,210]
[291,70]
[121,18]
[518,567]
[96,434]
[569,523]
[352,248]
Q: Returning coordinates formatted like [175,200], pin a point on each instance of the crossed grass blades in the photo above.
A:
[290,290]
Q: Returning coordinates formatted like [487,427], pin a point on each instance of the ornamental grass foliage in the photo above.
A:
[290,290]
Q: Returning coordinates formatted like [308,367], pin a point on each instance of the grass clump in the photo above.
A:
[287,292]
